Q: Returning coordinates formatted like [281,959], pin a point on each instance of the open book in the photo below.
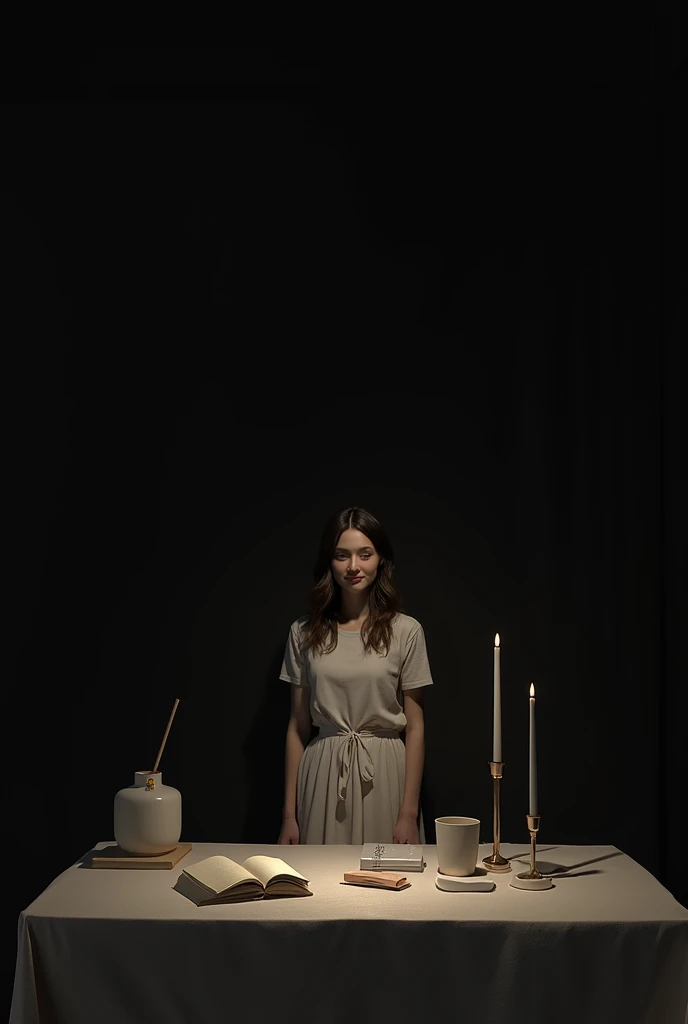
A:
[221,880]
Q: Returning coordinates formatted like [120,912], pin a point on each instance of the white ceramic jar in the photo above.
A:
[148,816]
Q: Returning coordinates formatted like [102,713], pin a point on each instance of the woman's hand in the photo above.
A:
[289,834]
[406,829]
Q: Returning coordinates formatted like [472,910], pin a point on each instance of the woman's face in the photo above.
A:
[355,562]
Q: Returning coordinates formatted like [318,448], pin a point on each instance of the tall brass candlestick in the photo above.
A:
[532,879]
[533,826]
[495,862]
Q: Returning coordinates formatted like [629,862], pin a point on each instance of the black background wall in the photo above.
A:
[246,287]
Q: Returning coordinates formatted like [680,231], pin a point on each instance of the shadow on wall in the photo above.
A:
[263,751]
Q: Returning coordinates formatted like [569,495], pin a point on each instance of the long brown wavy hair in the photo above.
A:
[324,601]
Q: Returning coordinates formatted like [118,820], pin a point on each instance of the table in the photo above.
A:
[607,943]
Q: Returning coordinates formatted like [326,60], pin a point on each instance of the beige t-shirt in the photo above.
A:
[355,690]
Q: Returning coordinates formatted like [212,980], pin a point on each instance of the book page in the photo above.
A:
[266,868]
[219,873]
[203,897]
[293,888]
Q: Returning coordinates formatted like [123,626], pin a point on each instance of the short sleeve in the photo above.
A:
[415,667]
[293,663]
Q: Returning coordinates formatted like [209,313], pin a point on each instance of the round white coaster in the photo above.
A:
[534,884]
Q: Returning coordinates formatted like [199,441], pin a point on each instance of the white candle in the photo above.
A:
[497,704]
[532,773]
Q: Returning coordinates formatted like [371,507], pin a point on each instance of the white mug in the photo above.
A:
[457,841]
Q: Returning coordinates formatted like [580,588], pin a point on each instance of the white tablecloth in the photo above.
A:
[606,944]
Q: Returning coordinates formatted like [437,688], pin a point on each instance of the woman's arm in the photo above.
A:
[298,735]
[406,828]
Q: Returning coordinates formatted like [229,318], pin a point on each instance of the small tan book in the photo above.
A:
[377,879]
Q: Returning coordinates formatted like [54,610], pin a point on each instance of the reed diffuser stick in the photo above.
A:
[164,739]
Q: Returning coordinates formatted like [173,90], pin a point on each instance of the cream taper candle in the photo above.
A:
[532,760]
[497,704]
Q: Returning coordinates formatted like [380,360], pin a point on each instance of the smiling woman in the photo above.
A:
[357,667]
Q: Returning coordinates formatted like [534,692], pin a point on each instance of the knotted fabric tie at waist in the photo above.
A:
[353,742]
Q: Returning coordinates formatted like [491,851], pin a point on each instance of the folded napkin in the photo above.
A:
[377,879]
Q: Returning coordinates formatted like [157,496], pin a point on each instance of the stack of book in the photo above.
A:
[391,857]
